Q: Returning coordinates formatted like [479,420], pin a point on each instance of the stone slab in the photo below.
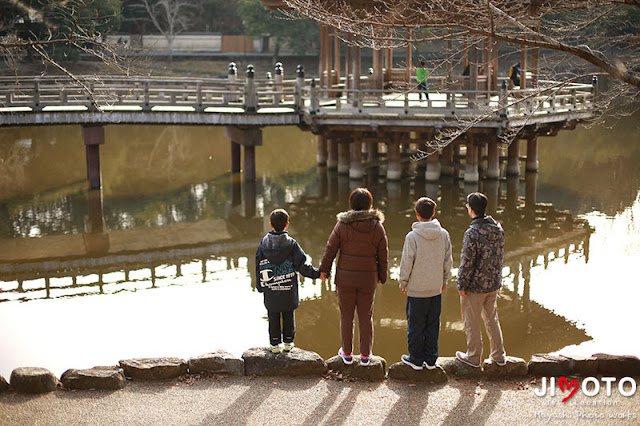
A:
[456,368]
[545,365]
[376,370]
[618,365]
[218,362]
[33,380]
[401,371]
[4,385]
[515,367]
[297,362]
[99,378]
[154,368]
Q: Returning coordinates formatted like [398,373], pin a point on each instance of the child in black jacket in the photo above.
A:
[278,260]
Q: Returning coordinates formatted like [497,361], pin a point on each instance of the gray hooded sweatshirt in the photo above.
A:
[426,259]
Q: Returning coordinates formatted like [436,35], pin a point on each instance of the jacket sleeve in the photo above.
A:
[383,256]
[448,259]
[333,244]
[301,265]
[407,260]
[467,261]
[258,258]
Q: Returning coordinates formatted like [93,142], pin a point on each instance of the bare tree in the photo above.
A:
[169,17]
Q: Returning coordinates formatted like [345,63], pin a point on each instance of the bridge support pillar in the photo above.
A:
[446,161]
[356,170]
[93,137]
[372,154]
[343,157]
[332,153]
[249,137]
[394,169]
[513,159]
[513,190]
[432,174]
[530,185]
[471,167]
[493,161]
[532,154]
[321,157]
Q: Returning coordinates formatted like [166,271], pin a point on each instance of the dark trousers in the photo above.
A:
[351,299]
[285,334]
[422,87]
[423,316]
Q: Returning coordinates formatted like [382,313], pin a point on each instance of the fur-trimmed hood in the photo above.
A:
[358,215]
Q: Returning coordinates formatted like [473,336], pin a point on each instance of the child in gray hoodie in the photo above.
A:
[425,269]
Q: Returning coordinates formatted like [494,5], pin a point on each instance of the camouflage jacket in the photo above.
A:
[481,257]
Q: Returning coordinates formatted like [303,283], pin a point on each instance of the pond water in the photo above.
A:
[159,262]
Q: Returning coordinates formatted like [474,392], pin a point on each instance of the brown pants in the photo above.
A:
[350,299]
[477,307]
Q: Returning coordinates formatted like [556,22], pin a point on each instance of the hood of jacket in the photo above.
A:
[361,220]
[428,230]
[488,228]
[277,246]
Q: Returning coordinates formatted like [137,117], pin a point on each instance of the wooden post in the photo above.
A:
[523,67]
[356,171]
[332,153]
[356,69]
[235,157]
[93,137]
[377,70]
[513,159]
[494,64]
[532,153]
[343,157]
[473,73]
[432,174]
[322,150]
[394,170]
[322,64]
[471,167]
[493,162]
[336,56]
[447,167]
[388,64]
[408,58]
[249,163]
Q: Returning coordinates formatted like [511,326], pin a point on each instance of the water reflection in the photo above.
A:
[185,251]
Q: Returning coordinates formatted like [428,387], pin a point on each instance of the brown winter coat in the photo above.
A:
[362,242]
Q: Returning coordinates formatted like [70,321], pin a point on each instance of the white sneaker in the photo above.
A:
[462,357]
[429,367]
[274,349]
[288,346]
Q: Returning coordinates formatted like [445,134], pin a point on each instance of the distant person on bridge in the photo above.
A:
[421,76]
[362,265]
[479,280]
[514,74]
[278,260]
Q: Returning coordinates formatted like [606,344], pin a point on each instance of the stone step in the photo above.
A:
[4,385]
[218,362]
[33,380]
[102,378]
[297,362]
[154,368]
[376,370]
[401,371]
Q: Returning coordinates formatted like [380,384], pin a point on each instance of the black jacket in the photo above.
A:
[278,260]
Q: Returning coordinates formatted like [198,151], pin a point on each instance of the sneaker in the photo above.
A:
[493,361]
[365,360]
[407,360]
[288,346]
[429,367]
[347,359]
[462,357]
[274,349]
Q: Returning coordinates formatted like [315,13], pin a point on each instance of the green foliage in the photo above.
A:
[300,34]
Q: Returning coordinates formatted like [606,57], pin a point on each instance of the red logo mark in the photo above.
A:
[566,385]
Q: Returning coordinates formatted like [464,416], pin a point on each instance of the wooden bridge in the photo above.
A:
[353,124]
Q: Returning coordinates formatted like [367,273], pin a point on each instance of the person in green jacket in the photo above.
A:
[421,76]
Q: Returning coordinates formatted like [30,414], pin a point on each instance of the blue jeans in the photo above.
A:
[423,316]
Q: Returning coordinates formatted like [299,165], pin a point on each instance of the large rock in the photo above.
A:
[583,366]
[3,384]
[154,368]
[618,365]
[218,362]
[401,371]
[298,362]
[544,365]
[376,370]
[515,367]
[456,368]
[107,378]
[33,380]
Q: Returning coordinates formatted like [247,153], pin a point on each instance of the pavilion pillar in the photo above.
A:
[332,153]
[532,153]
[432,174]
[356,170]
[486,62]
[513,158]
[322,150]
[336,56]
[471,167]
[494,64]
[388,64]
[373,155]
[394,169]
[523,67]
[324,32]
[249,138]
[408,57]
[447,167]
[378,70]
[493,160]
[356,60]
[343,157]
[93,137]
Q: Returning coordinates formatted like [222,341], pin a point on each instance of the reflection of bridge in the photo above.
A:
[351,119]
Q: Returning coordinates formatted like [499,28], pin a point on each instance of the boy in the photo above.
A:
[425,268]
[278,260]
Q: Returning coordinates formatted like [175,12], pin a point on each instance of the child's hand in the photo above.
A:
[323,276]
[403,290]
[444,287]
